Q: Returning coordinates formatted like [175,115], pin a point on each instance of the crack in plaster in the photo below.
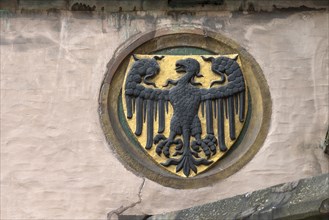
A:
[114,214]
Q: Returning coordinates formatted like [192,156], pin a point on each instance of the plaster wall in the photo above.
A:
[55,161]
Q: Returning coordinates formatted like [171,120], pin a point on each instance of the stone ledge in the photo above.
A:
[303,199]
[31,6]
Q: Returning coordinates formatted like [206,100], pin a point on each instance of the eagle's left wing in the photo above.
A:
[224,101]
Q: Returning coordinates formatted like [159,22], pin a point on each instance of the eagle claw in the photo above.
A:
[208,145]
[163,145]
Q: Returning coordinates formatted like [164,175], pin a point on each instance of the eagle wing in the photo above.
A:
[146,103]
[225,101]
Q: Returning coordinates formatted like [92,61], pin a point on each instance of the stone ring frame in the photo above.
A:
[134,157]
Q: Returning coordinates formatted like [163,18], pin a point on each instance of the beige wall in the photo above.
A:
[55,162]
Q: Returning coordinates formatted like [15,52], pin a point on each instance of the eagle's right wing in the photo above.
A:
[147,103]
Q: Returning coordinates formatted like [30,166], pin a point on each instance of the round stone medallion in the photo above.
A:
[184,109]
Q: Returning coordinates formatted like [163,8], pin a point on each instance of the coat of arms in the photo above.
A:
[187,111]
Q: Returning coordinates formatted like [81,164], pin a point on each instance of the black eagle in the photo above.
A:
[151,104]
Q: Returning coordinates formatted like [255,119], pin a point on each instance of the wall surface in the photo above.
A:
[55,161]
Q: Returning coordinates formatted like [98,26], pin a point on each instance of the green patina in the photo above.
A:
[184,51]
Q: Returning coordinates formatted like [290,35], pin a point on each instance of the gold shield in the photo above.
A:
[158,81]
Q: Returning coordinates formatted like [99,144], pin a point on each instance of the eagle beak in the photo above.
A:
[180,68]
[199,75]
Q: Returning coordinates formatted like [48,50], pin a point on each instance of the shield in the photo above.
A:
[185,111]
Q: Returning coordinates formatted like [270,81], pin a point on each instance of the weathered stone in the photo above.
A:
[326,143]
[41,4]
[295,200]
[133,217]
[8,5]
[164,5]
[55,161]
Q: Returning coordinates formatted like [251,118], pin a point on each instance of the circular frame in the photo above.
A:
[133,157]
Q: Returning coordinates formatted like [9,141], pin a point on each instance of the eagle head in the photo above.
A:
[188,65]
